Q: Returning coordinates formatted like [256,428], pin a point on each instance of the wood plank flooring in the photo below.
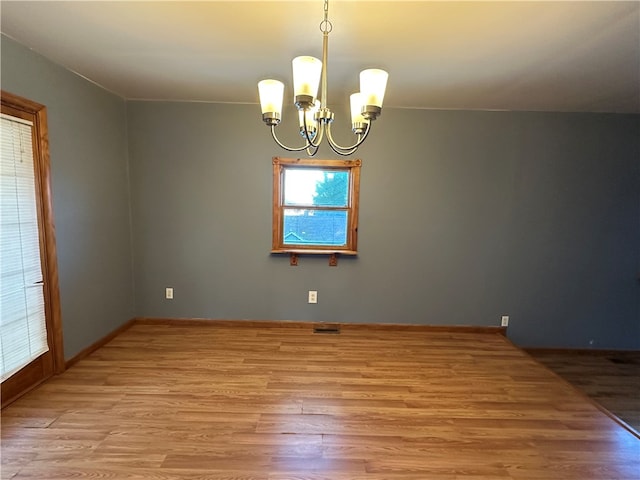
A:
[610,378]
[192,402]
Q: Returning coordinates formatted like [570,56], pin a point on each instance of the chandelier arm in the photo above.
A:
[340,150]
[312,153]
[319,135]
[273,134]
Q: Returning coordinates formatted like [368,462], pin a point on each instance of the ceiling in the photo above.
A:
[516,55]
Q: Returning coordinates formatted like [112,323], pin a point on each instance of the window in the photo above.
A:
[315,205]
[30,327]
[23,333]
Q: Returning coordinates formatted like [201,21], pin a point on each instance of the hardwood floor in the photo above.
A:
[195,402]
[610,378]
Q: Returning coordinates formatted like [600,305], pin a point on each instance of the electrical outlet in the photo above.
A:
[168,293]
[505,320]
[313,296]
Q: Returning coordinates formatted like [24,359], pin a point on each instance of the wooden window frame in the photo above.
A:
[52,361]
[351,166]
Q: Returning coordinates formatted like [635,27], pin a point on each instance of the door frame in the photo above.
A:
[51,362]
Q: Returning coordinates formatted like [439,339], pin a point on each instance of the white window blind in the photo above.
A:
[23,333]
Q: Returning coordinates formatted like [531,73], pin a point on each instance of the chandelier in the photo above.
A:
[314,116]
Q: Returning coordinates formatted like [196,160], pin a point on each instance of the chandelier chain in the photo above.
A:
[326,26]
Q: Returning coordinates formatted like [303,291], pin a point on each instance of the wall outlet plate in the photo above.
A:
[505,321]
[313,296]
[168,293]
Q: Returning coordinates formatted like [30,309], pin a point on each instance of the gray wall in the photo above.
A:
[88,147]
[465,216]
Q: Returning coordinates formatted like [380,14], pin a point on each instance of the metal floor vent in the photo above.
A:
[625,360]
[327,329]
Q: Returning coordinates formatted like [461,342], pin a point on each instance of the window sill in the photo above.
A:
[314,251]
[333,254]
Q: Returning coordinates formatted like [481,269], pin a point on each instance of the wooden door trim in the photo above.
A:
[29,110]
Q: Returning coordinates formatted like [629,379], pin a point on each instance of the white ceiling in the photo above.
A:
[516,55]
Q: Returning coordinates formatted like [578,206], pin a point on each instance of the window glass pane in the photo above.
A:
[322,188]
[23,332]
[315,227]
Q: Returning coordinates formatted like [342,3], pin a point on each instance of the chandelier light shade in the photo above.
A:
[373,83]
[271,95]
[358,122]
[315,117]
[306,77]
[307,119]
